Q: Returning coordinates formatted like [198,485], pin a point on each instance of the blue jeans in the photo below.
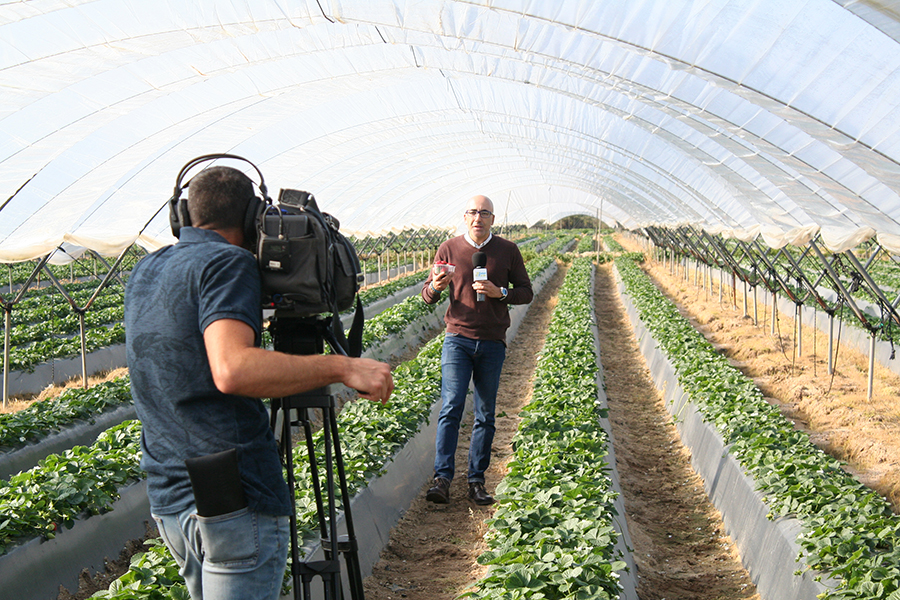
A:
[463,360]
[235,556]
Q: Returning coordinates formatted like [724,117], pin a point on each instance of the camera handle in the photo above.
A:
[297,336]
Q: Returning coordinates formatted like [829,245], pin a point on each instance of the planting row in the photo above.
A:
[81,481]
[552,535]
[849,532]
[40,418]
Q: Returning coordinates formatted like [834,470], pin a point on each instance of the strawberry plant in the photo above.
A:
[395,319]
[49,415]
[152,575]
[372,294]
[612,244]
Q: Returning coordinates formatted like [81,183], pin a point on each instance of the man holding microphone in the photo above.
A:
[489,275]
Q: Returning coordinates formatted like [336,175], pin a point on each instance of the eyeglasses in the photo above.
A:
[484,213]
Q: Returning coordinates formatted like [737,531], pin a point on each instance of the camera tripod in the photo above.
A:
[293,335]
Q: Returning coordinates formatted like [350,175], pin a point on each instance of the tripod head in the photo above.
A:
[293,334]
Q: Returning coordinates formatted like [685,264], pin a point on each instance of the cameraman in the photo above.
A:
[475,342]
[193,319]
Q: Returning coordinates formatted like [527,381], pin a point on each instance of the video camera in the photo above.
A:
[308,268]
[307,265]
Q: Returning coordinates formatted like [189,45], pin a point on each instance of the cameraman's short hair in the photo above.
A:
[218,198]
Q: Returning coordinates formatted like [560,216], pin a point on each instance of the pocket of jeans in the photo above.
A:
[166,536]
[230,541]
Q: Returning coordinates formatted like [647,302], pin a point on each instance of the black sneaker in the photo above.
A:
[479,495]
[439,493]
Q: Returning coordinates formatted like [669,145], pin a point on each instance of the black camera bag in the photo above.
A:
[308,267]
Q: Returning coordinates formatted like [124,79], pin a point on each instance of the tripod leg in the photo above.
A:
[286,455]
[327,523]
[328,570]
[332,531]
[350,550]
[314,474]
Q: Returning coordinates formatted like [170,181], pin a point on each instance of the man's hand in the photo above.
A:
[371,378]
[440,280]
[487,288]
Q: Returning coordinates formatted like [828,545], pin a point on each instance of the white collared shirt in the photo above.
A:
[474,243]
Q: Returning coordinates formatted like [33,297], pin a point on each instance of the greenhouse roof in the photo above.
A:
[748,118]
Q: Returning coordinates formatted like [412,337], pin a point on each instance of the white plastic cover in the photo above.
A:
[745,117]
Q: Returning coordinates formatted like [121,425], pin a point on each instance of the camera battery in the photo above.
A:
[275,254]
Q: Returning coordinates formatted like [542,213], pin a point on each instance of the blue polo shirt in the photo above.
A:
[172,296]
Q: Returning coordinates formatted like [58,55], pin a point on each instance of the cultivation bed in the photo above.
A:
[380,306]
[60,370]
[36,569]
[81,433]
[768,548]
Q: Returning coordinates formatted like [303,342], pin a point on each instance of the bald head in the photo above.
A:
[479,217]
[480,203]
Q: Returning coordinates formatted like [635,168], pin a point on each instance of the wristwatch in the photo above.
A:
[504,292]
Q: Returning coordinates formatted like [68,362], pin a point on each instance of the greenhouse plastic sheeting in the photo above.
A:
[753,118]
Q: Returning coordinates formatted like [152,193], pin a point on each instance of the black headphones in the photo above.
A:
[178,207]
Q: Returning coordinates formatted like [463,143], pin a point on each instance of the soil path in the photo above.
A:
[680,547]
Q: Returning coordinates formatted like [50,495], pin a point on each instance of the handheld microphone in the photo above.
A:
[479,260]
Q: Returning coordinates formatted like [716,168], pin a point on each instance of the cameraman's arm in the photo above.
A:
[240,368]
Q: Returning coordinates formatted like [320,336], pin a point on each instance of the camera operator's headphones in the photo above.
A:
[178,207]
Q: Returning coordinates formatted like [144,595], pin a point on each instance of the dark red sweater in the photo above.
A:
[487,320]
